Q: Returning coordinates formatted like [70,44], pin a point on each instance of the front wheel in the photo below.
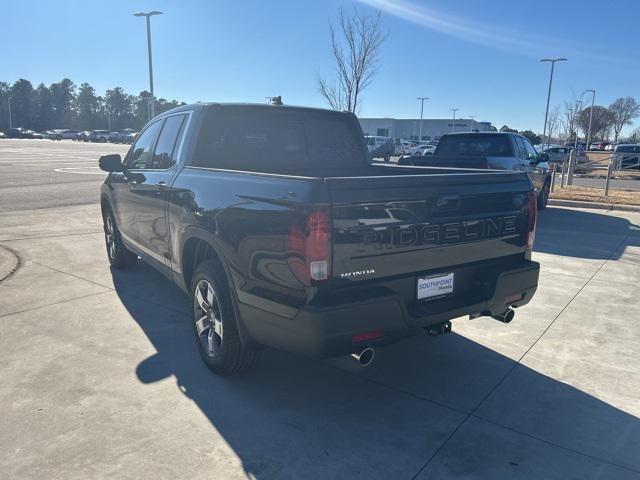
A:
[215,325]
[119,256]
[543,196]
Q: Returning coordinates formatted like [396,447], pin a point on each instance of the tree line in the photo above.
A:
[606,122]
[64,105]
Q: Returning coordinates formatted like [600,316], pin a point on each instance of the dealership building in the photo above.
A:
[432,128]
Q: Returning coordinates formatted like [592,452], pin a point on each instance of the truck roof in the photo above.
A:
[257,106]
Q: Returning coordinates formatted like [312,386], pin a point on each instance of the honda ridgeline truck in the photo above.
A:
[284,234]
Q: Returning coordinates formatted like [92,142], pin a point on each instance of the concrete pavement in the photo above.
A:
[100,378]
[44,173]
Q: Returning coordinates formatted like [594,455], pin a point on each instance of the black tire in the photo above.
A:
[543,195]
[387,157]
[119,256]
[222,353]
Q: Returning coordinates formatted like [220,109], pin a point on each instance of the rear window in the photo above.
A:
[482,145]
[278,140]
[628,149]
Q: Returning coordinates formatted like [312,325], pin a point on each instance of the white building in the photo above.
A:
[432,128]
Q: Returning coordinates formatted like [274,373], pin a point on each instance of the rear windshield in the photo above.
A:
[476,144]
[628,149]
[279,140]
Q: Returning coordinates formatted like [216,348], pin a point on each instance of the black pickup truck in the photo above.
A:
[494,150]
[283,234]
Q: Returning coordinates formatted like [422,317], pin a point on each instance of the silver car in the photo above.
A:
[561,154]
[627,156]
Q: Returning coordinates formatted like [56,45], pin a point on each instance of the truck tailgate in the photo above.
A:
[389,226]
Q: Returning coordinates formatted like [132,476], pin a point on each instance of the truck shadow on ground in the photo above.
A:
[584,234]
[298,417]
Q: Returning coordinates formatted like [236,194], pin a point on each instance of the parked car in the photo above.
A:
[380,147]
[402,146]
[421,150]
[284,234]
[560,154]
[3,135]
[67,134]
[120,136]
[627,156]
[100,136]
[32,134]
[15,133]
[495,150]
[131,137]
[598,146]
[83,136]
[610,147]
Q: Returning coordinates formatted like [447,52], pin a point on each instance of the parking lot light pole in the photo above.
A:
[453,124]
[422,99]
[148,16]
[546,112]
[9,105]
[593,99]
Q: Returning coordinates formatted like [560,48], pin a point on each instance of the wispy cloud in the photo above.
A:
[468,30]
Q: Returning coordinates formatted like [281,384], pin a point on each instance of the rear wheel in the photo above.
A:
[119,256]
[387,157]
[215,325]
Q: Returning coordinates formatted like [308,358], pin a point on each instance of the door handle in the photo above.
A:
[161,187]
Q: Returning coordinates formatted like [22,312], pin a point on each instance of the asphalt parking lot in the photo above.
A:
[100,378]
[44,173]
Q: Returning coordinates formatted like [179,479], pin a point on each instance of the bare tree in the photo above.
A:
[569,119]
[553,121]
[624,110]
[355,45]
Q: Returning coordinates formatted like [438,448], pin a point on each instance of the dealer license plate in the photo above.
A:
[435,286]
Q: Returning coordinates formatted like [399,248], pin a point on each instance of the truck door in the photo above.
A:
[529,162]
[129,182]
[150,195]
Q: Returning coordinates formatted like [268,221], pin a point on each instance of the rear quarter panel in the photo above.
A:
[247,216]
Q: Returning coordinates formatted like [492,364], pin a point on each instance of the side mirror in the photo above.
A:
[111,163]
[543,157]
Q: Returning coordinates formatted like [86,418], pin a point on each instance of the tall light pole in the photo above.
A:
[593,99]
[422,99]
[148,16]
[453,124]
[9,105]
[546,112]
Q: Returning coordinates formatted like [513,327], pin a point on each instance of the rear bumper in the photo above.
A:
[327,330]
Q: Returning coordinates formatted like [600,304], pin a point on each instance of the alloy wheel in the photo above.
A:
[208,319]
[110,237]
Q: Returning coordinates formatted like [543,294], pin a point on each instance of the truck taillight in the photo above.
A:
[313,242]
[533,214]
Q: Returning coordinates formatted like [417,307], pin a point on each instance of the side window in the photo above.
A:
[531,152]
[140,153]
[164,155]
[522,151]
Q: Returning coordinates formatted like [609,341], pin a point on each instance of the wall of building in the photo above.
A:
[432,129]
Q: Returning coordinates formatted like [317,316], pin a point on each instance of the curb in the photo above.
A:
[594,205]
[9,263]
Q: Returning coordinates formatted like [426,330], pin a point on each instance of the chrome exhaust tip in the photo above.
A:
[365,357]
[506,316]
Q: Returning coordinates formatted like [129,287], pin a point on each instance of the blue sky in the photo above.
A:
[478,56]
